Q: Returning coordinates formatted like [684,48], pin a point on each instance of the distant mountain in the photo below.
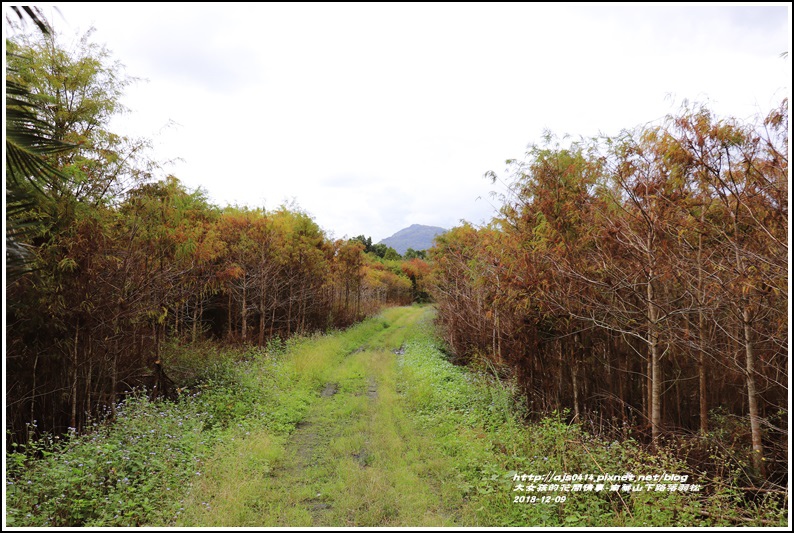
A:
[415,236]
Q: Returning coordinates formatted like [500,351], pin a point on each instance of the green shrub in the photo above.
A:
[478,421]
[138,469]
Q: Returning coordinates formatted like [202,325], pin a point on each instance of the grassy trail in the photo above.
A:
[355,459]
[394,435]
[367,427]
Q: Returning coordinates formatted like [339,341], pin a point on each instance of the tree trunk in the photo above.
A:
[194,333]
[575,385]
[87,399]
[73,417]
[577,341]
[647,387]
[704,408]
[244,312]
[229,316]
[656,371]
[33,391]
[289,311]
[749,357]
[624,384]
[262,316]
[752,395]
[113,379]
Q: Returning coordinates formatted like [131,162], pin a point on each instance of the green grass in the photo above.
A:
[342,430]
[475,421]
[350,463]
[140,469]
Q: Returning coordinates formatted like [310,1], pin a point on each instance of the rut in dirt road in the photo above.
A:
[384,431]
[346,463]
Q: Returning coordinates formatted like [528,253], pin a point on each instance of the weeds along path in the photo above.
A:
[386,432]
[383,431]
[354,459]
[367,427]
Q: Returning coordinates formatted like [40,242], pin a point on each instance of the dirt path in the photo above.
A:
[355,459]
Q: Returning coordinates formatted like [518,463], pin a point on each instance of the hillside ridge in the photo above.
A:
[415,236]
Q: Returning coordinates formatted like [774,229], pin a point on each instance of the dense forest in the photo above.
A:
[108,264]
[636,285]
[639,282]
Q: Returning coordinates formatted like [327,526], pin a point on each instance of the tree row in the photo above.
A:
[640,281]
[107,265]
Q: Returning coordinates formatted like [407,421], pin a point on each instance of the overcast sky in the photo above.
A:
[375,117]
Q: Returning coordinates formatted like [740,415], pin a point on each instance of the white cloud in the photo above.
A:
[377,116]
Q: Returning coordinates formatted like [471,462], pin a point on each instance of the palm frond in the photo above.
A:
[30,180]
[34,14]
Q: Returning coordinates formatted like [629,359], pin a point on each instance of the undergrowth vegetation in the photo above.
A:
[431,443]
[138,468]
[480,421]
